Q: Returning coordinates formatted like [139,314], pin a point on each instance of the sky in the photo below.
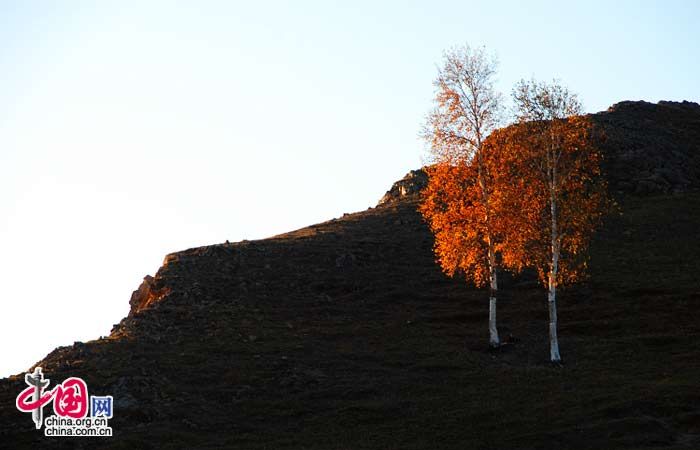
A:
[133,129]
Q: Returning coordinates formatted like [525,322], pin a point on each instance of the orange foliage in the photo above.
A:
[462,210]
[517,178]
[458,197]
[454,208]
[540,163]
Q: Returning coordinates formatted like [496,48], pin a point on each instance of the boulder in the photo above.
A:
[410,185]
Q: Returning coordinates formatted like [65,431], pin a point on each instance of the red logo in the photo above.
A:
[70,398]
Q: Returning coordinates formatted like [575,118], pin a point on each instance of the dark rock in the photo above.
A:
[147,294]
[410,185]
[345,260]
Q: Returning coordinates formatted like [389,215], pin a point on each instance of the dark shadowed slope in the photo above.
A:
[652,148]
[345,335]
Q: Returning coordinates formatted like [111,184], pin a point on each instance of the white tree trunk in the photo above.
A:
[494,341]
[493,330]
[552,291]
[552,301]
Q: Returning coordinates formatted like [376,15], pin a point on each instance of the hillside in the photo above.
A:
[346,335]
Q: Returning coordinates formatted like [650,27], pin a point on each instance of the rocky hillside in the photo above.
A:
[652,148]
[345,335]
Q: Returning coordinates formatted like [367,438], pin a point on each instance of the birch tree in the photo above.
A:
[561,196]
[459,206]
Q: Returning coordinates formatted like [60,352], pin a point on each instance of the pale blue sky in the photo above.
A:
[129,130]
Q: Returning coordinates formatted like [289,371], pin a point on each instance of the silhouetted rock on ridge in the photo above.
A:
[410,185]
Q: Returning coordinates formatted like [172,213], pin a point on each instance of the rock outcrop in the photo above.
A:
[408,186]
[148,292]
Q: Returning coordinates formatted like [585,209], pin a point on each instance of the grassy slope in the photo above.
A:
[345,335]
